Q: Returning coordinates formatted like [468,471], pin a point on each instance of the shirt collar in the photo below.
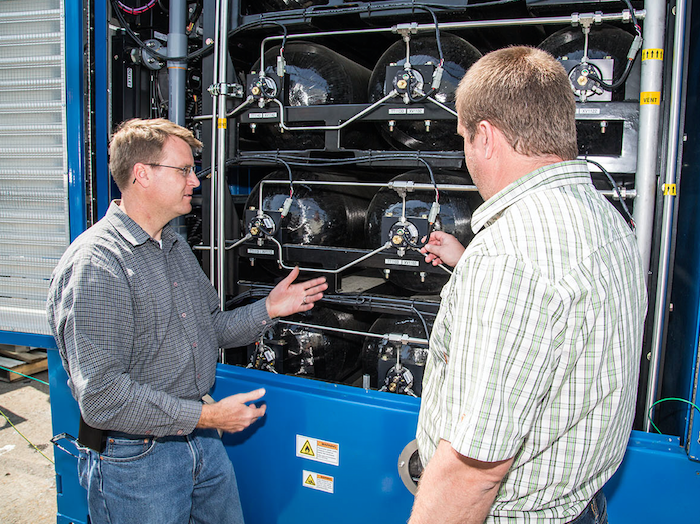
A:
[132,232]
[566,173]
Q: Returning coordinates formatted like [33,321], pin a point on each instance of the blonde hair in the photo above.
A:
[526,94]
[141,141]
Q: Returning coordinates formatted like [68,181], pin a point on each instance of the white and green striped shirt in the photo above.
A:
[535,351]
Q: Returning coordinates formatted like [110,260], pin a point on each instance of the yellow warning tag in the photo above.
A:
[650,98]
[652,54]
[669,189]
[306,449]
[310,481]
[222,123]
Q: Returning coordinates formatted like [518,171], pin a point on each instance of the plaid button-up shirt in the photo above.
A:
[138,327]
[535,350]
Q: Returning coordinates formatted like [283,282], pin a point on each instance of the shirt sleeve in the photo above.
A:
[94,324]
[237,327]
[501,354]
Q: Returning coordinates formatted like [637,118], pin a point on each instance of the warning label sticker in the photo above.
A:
[317,481]
[318,450]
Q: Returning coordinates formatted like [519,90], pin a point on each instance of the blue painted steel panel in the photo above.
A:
[65,417]
[75,117]
[101,91]
[370,428]
[656,483]
[27,339]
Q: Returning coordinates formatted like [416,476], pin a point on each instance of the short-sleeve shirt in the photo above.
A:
[534,354]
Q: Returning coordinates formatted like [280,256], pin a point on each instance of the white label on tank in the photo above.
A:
[318,450]
[587,110]
[416,110]
[272,114]
[397,111]
[317,481]
[252,251]
[401,262]
[129,78]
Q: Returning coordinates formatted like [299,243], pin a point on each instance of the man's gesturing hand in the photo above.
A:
[232,414]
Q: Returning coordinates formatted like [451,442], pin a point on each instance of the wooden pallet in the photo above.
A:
[25,362]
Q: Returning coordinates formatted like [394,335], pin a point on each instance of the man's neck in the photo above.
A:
[513,167]
[141,215]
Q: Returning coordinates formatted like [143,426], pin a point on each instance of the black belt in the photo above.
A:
[121,434]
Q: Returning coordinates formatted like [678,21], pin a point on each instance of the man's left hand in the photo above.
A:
[287,298]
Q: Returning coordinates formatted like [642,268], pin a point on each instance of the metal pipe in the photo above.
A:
[573,19]
[386,336]
[212,185]
[221,122]
[627,194]
[669,203]
[360,114]
[649,117]
[177,69]
[331,271]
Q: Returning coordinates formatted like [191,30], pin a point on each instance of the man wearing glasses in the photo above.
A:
[138,327]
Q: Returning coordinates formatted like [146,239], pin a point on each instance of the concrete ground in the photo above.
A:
[27,479]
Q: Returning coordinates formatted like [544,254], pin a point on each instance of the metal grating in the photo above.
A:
[34,226]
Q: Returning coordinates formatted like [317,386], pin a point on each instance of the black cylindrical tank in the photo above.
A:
[317,353]
[316,76]
[380,356]
[459,56]
[605,43]
[320,215]
[454,218]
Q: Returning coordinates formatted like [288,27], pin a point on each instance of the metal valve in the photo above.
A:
[261,226]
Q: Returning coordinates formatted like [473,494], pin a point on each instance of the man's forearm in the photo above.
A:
[456,489]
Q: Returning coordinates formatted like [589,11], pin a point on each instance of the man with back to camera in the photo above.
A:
[530,386]
[138,327]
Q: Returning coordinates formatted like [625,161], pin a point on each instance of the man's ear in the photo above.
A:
[492,138]
[141,174]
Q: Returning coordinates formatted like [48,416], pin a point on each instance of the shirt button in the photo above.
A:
[179,432]
[264,322]
[184,315]
[175,284]
[199,375]
[194,344]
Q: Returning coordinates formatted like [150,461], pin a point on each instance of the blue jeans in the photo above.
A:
[595,513]
[178,480]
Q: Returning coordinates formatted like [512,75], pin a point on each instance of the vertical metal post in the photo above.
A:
[177,69]
[221,123]
[213,162]
[649,118]
[669,202]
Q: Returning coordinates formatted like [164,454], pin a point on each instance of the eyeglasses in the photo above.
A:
[184,170]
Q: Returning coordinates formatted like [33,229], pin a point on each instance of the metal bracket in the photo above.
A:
[230,90]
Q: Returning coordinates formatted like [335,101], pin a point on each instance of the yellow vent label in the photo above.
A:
[222,123]
[669,189]
[650,98]
[652,54]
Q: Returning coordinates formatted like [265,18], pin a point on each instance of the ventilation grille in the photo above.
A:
[34,227]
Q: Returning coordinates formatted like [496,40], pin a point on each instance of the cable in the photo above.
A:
[617,190]
[666,400]
[136,10]
[23,375]
[25,438]
[125,25]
